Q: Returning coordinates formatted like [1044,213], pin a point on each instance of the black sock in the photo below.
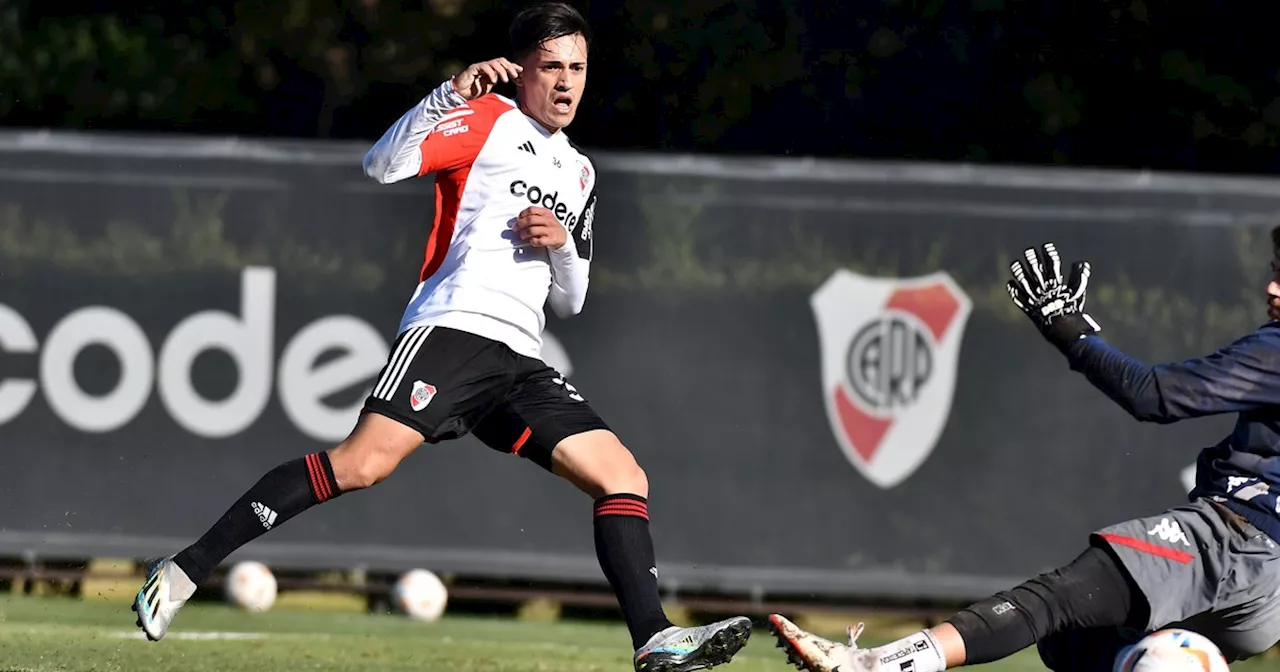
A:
[1094,591]
[281,494]
[625,550]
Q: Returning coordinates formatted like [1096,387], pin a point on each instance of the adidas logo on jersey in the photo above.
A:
[1169,531]
[527,147]
[265,514]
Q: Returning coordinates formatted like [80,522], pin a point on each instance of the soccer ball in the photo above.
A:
[1171,650]
[420,595]
[251,586]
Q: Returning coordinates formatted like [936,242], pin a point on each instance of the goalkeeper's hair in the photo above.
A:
[544,21]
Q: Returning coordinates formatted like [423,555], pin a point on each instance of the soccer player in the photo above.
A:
[513,231]
[1211,565]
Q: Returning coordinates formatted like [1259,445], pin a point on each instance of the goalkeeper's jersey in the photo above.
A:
[491,161]
[1243,470]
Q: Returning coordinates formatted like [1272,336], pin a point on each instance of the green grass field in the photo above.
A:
[48,634]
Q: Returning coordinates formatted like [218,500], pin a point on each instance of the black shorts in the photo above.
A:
[446,383]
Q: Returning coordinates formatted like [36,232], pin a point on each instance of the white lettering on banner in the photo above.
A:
[302,385]
[248,338]
[96,325]
[15,337]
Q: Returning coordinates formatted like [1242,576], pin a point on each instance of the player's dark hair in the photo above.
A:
[544,21]
[1275,241]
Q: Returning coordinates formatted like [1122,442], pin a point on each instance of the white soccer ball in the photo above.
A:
[1172,650]
[420,595]
[251,586]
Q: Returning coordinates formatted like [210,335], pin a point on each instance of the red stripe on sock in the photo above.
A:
[622,502]
[1147,547]
[323,478]
[311,476]
[622,507]
[319,483]
[629,507]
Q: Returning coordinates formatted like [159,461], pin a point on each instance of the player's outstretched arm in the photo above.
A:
[1238,378]
[402,152]
[1241,377]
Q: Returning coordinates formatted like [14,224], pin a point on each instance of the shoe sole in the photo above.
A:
[785,643]
[134,608]
[719,649]
[138,621]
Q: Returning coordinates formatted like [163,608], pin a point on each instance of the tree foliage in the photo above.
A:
[1114,82]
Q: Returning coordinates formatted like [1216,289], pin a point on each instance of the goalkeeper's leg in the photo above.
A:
[368,456]
[1197,561]
[1093,591]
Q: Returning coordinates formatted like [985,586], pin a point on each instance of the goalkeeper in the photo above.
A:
[1211,565]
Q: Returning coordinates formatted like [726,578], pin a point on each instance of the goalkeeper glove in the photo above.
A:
[1054,306]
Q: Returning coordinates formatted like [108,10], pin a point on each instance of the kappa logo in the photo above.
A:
[1169,531]
[890,351]
[421,395]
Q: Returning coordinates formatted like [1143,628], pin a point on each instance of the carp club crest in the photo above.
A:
[890,350]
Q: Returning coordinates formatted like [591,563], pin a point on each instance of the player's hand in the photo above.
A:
[540,228]
[1054,305]
[480,78]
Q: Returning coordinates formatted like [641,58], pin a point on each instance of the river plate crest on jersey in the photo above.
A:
[890,352]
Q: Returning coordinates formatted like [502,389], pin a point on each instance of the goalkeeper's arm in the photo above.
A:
[1241,377]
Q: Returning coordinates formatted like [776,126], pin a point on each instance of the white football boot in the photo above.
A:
[166,589]
[808,651]
[702,647]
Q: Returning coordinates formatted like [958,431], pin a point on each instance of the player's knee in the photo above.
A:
[366,474]
[598,464]
[372,452]
[357,466]
[619,473]
[627,477]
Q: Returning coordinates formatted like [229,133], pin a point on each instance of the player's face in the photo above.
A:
[1273,288]
[551,84]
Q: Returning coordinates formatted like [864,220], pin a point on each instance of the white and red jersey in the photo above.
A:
[491,161]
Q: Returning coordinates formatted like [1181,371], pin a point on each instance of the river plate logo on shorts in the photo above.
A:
[890,350]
